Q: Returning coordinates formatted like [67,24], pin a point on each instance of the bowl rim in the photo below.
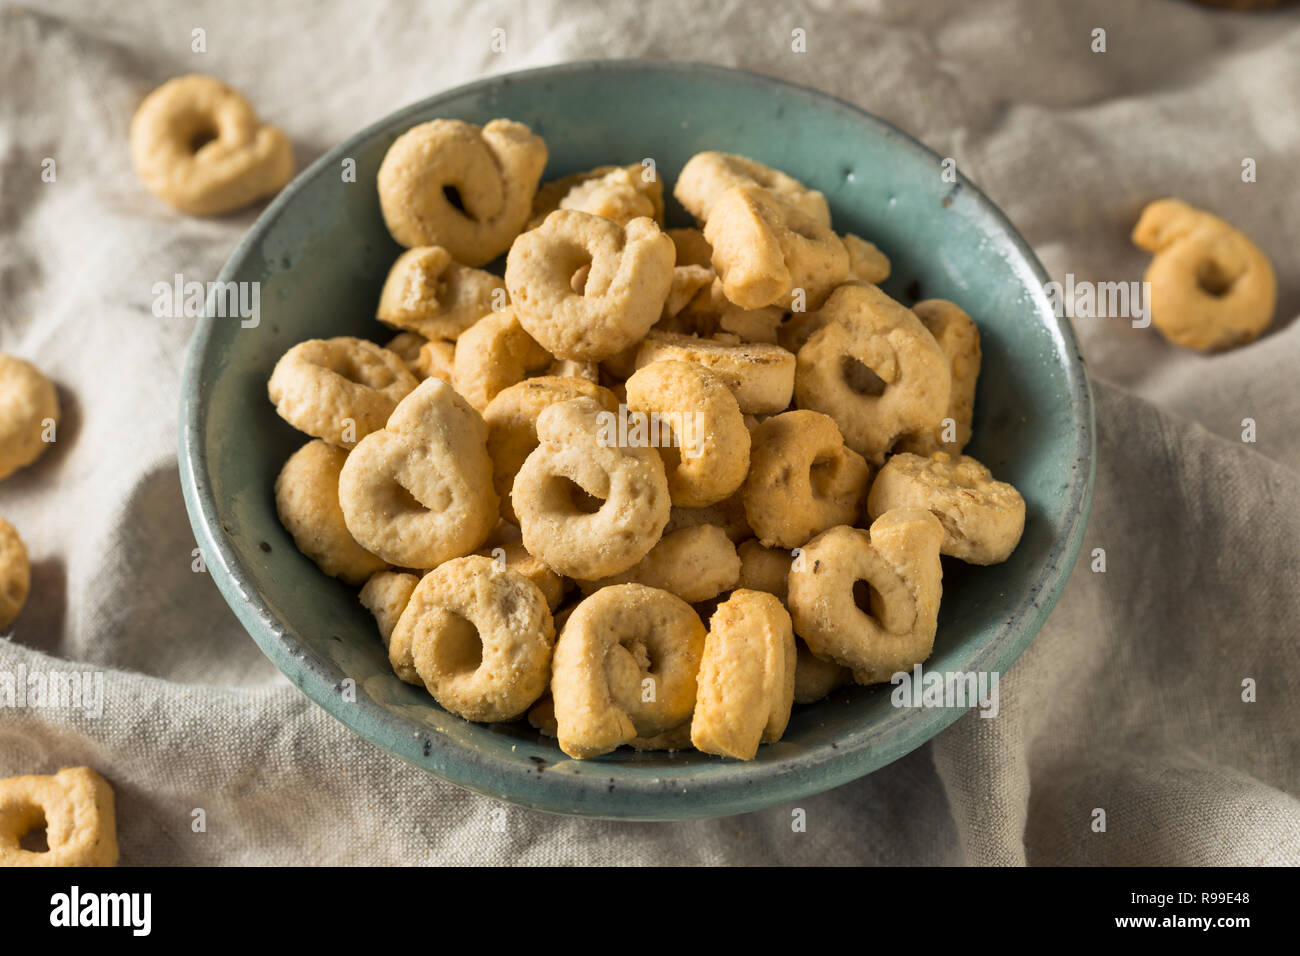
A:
[738,787]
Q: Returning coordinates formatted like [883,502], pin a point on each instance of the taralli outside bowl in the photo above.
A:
[321,252]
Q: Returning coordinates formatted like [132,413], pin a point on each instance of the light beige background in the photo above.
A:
[1130,698]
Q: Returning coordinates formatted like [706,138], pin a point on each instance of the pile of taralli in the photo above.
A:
[549,480]
[29,419]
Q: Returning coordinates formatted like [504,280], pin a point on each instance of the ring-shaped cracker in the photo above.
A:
[959,338]
[587,507]
[76,807]
[493,354]
[708,175]
[764,250]
[886,624]
[630,275]
[626,665]
[511,419]
[466,188]
[746,678]
[340,389]
[428,292]
[707,454]
[29,406]
[982,517]
[199,146]
[419,492]
[480,638]
[875,369]
[802,479]
[15,574]
[1211,287]
[307,501]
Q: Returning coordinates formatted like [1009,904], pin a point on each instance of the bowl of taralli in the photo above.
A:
[613,437]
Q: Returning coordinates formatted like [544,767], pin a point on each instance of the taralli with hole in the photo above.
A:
[982,517]
[385,596]
[707,456]
[339,390]
[631,272]
[802,479]
[198,146]
[580,538]
[466,188]
[419,492]
[480,638]
[76,806]
[15,574]
[307,500]
[707,176]
[760,376]
[511,419]
[875,369]
[764,250]
[428,292]
[1211,287]
[494,354]
[626,666]
[29,414]
[959,338]
[746,679]
[511,556]
[898,558]
[695,564]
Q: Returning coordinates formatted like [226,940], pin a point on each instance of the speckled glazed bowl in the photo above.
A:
[320,252]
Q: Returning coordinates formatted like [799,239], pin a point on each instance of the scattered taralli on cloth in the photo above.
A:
[15,574]
[75,807]
[199,147]
[1211,287]
[29,414]
[29,418]
[551,479]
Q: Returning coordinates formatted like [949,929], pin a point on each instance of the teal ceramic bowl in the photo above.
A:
[320,252]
